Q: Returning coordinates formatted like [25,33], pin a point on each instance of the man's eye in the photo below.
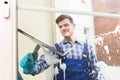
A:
[66,25]
[60,26]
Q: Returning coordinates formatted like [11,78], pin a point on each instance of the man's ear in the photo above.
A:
[74,25]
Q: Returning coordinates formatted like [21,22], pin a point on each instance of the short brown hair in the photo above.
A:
[62,17]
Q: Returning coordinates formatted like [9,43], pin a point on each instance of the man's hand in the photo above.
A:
[27,63]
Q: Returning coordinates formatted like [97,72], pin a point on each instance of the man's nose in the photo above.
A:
[63,27]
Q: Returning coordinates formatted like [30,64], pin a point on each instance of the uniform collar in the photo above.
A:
[76,41]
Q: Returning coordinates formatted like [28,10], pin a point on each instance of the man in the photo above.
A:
[79,63]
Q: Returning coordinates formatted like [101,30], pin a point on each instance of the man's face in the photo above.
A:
[66,28]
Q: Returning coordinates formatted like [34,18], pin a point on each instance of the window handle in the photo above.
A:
[6,9]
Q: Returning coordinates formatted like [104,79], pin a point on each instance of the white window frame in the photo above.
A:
[8,35]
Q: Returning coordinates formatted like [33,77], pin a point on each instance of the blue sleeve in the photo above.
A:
[93,61]
[96,68]
[93,57]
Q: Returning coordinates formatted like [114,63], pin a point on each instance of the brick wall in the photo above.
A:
[107,31]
